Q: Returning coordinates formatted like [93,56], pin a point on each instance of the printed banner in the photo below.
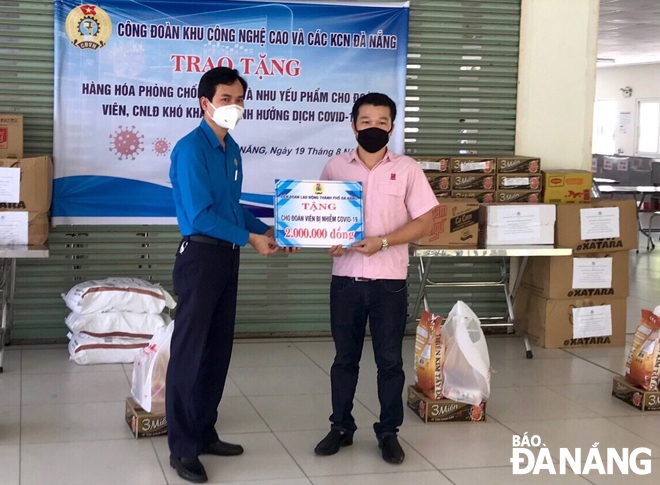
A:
[126,77]
[318,214]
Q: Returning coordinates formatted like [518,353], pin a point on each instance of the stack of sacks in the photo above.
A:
[113,319]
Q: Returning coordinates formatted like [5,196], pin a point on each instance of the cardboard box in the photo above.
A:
[518,164]
[36,183]
[436,164]
[142,423]
[472,165]
[518,197]
[518,181]
[553,277]
[549,323]
[633,395]
[11,136]
[37,228]
[517,224]
[569,233]
[482,196]
[440,182]
[455,224]
[567,186]
[475,181]
[445,409]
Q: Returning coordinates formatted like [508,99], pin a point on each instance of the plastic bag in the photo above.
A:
[118,295]
[150,372]
[85,349]
[643,364]
[467,364]
[117,324]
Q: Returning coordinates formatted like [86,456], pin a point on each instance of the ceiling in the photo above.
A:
[629,31]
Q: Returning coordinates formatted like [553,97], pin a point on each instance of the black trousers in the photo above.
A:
[384,304]
[205,280]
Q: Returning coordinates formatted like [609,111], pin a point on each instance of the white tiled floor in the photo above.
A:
[61,423]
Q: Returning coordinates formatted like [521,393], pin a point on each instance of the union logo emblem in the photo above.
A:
[318,189]
[88,27]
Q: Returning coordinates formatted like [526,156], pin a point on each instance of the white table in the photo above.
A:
[426,255]
[8,257]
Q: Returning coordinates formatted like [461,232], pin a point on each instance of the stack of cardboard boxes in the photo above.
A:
[580,300]
[514,179]
[25,188]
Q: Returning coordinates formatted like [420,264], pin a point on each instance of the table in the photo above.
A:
[597,182]
[641,191]
[427,254]
[8,257]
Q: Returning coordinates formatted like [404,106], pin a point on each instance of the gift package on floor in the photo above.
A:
[635,396]
[452,368]
[150,371]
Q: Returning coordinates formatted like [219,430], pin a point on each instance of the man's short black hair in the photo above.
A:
[218,75]
[374,99]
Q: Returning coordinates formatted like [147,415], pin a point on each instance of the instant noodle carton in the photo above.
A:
[635,396]
[443,410]
[142,423]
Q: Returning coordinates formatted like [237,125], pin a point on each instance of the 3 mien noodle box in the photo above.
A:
[517,224]
[436,164]
[518,164]
[518,181]
[472,181]
[142,423]
[635,396]
[472,165]
[36,188]
[455,224]
[443,410]
[567,186]
[517,197]
[602,225]
[577,322]
[11,136]
[483,196]
[561,277]
[440,182]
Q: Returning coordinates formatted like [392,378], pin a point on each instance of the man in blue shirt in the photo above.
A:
[206,175]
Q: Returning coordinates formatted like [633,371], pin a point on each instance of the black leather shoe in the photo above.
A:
[333,441]
[392,451]
[221,448]
[190,469]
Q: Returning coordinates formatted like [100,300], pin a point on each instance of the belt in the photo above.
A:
[363,279]
[211,240]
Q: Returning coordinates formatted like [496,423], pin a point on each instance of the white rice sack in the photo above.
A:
[85,350]
[118,295]
[117,324]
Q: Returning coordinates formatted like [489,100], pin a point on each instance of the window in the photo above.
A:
[648,127]
[605,113]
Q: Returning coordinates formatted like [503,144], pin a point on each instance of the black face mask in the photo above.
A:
[373,139]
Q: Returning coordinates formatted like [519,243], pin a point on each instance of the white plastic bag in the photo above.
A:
[117,324]
[150,372]
[118,295]
[467,365]
[85,349]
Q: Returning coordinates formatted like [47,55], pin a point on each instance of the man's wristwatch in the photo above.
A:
[385,245]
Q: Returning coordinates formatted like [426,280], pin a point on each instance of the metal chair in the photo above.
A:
[650,245]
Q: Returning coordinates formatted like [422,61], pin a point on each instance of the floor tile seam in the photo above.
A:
[310,358]
[160,463]
[631,431]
